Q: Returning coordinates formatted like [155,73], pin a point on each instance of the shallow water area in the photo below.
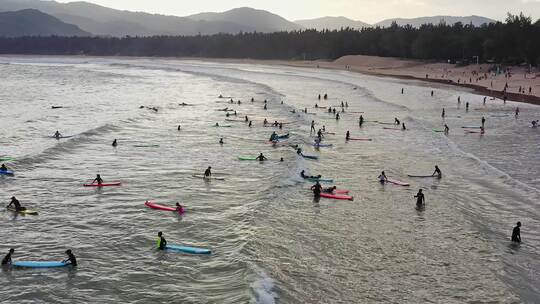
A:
[271,241]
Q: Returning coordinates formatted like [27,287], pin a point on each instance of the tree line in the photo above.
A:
[515,41]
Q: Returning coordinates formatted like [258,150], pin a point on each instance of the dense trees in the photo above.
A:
[515,41]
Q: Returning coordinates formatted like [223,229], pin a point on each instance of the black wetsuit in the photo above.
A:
[7,259]
[419,199]
[15,202]
[516,235]
[317,189]
[207,172]
[72,260]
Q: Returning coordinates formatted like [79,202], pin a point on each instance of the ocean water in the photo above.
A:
[271,241]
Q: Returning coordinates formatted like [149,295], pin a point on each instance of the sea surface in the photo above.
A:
[271,241]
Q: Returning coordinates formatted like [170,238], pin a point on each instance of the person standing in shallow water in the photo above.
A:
[516,233]
[420,199]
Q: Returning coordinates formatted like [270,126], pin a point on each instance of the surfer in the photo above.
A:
[274,136]
[312,126]
[325,96]
[467,106]
[179,208]
[401,90]
[360,121]
[15,202]
[71,258]
[261,157]
[382,178]
[517,111]
[396,121]
[403,127]
[217,124]
[3,168]
[437,172]
[114,143]
[7,259]
[329,190]
[250,124]
[246,118]
[57,134]
[483,121]
[337,116]
[319,96]
[347,135]
[443,113]
[221,141]
[179,127]
[98,180]
[265,122]
[319,134]
[317,189]
[161,241]
[420,199]
[208,172]
[446,129]
[516,233]
[299,151]
[534,123]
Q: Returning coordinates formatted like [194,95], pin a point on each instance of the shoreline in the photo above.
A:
[395,68]
[389,69]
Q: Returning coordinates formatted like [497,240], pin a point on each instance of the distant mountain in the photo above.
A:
[331,23]
[101,20]
[30,22]
[450,20]
[261,21]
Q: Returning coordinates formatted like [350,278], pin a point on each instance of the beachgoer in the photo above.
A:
[7,258]
[161,241]
[437,172]
[71,258]
[516,233]
[261,157]
[317,189]
[420,199]
[16,204]
[179,208]
[98,180]
[382,178]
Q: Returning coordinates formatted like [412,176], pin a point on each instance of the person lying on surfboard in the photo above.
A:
[98,180]
[329,190]
[303,175]
[15,202]
[437,172]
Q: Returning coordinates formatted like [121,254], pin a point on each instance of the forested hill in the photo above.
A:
[30,22]
[515,41]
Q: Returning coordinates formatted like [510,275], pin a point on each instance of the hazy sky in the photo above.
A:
[364,10]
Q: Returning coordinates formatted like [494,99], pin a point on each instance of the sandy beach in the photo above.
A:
[522,85]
